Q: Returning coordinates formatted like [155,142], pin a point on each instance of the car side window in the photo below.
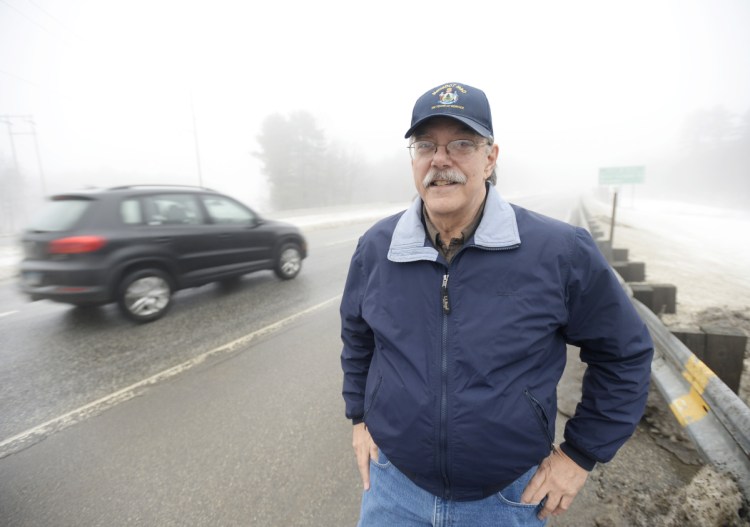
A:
[130,212]
[225,211]
[172,209]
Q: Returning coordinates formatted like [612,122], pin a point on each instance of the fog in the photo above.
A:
[103,93]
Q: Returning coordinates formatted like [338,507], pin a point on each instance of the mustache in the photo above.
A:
[450,175]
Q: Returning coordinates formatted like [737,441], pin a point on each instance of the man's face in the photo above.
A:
[452,202]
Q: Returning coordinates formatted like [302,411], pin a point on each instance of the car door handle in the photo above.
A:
[164,239]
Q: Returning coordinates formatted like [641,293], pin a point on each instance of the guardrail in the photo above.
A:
[712,415]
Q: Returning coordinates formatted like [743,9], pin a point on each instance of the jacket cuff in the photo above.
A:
[357,420]
[581,459]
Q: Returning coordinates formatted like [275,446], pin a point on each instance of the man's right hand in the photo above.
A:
[365,449]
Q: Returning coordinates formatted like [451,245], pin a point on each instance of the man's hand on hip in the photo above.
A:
[365,449]
[559,479]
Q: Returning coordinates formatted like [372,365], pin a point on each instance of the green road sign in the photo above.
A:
[621,175]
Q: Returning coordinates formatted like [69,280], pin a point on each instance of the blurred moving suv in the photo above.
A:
[137,245]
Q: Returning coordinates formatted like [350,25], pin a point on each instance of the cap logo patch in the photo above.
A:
[448,96]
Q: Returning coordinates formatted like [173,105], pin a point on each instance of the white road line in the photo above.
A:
[30,436]
[341,242]
[7,313]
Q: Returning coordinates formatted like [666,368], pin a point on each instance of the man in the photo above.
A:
[455,319]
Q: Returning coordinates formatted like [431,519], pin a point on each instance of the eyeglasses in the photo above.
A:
[456,149]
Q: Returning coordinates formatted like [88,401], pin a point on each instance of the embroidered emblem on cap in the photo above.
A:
[448,96]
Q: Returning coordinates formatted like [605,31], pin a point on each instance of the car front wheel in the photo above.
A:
[145,295]
[288,261]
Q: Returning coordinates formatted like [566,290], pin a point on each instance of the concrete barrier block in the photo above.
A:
[621,268]
[665,298]
[644,293]
[619,254]
[636,271]
[605,248]
[693,338]
[631,271]
[659,298]
[725,350]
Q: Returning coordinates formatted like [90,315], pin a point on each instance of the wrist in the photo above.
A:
[578,457]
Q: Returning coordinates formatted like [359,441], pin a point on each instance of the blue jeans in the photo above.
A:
[395,501]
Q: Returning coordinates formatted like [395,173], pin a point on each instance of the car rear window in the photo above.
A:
[59,215]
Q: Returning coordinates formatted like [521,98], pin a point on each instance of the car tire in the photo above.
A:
[145,295]
[288,261]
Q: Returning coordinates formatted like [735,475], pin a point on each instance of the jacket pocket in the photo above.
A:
[541,415]
[369,404]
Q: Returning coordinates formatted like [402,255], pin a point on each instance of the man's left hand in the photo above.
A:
[559,479]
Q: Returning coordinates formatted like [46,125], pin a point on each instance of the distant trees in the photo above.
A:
[305,169]
[711,127]
[715,157]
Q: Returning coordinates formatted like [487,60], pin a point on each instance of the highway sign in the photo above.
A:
[621,175]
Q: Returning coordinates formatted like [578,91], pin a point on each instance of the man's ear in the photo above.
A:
[492,160]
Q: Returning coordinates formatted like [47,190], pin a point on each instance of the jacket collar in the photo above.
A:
[496,230]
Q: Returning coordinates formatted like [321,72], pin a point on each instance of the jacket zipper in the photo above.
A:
[443,446]
[443,451]
[444,295]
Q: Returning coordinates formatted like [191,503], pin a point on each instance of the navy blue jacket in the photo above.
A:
[454,367]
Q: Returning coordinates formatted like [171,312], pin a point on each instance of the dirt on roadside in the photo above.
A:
[657,479]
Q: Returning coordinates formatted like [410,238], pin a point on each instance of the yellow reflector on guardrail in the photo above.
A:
[697,374]
[689,408]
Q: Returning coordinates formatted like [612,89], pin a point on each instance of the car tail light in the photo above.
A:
[77,245]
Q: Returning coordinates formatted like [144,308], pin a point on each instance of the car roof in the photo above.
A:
[92,193]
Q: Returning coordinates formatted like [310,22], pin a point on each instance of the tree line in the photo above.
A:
[711,164]
[305,169]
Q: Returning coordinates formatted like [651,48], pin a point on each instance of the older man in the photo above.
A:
[455,319]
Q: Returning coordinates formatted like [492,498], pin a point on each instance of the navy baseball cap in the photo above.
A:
[457,101]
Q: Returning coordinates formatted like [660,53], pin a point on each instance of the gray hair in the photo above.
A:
[493,177]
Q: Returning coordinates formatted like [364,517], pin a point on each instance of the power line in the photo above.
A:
[28,18]
[59,22]
[9,74]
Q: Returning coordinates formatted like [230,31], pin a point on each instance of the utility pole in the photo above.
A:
[195,137]
[38,157]
[7,198]
[12,202]
[8,119]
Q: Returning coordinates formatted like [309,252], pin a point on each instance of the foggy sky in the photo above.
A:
[113,87]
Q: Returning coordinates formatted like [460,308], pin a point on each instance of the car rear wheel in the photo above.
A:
[288,261]
[145,295]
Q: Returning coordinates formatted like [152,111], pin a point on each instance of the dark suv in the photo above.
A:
[136,245]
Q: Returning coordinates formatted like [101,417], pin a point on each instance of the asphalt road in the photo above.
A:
[255,437]
[225,412]
[55,358]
